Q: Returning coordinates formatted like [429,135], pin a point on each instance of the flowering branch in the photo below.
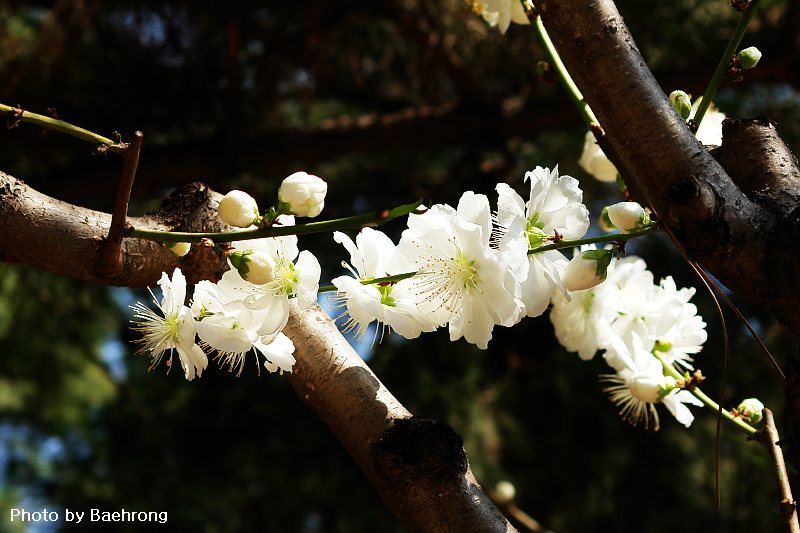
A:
[374,281]
[700,395]
[742,243]
[612,237]
[17,115]
[573,92]
[330,377]
[561,245]
[727,55]
[371,219]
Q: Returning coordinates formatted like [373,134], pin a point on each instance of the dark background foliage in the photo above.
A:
[389,102]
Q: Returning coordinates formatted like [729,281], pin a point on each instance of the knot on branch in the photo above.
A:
[194,208]
[424,446]
[691,199]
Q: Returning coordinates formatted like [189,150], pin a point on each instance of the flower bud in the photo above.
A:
[504,492]
[587,269]
[303,194]
[239,209]
[595,162]
[604,222]
[681,102]
[179,248]
[255,267]
[749,57]
[750,409]
[628,216]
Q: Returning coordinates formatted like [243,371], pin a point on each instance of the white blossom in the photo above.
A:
[640,383]
[502,13]
[461,281]
[391,304]
[710,130]
[278,354]
[290,279]
[553,211]
[173,330]
[594,161]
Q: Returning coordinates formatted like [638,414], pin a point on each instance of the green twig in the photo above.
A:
[17,114]
[374,281]
[563,75]
[374,218]
[700,395]
[725,60]
[611,237]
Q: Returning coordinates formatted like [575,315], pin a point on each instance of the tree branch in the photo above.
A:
[748,247]
[768,436]
[417,466]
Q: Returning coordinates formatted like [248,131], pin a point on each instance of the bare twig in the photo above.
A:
[768,436]
[17,115]
[526,523]
[111,256]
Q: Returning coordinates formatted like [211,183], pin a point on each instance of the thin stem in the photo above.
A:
[611,237]
[374,218]
[563,75]
[700,395]
[18,114]
[111,255]
[768,436]
[725,60]
[374,281]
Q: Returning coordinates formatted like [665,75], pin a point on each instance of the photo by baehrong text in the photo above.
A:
[90,515]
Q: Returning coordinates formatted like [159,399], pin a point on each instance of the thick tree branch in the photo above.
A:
[750,248]
[417,466]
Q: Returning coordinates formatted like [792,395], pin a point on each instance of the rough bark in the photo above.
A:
[419,467]
[67,239]
[740,222]
[748,244]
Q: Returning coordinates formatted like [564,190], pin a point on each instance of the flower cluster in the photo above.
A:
[642,327]
[466,268]
[471,269]
[248,308]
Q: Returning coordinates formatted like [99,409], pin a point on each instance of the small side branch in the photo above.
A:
[16,115]
[111,256]
[768,436]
